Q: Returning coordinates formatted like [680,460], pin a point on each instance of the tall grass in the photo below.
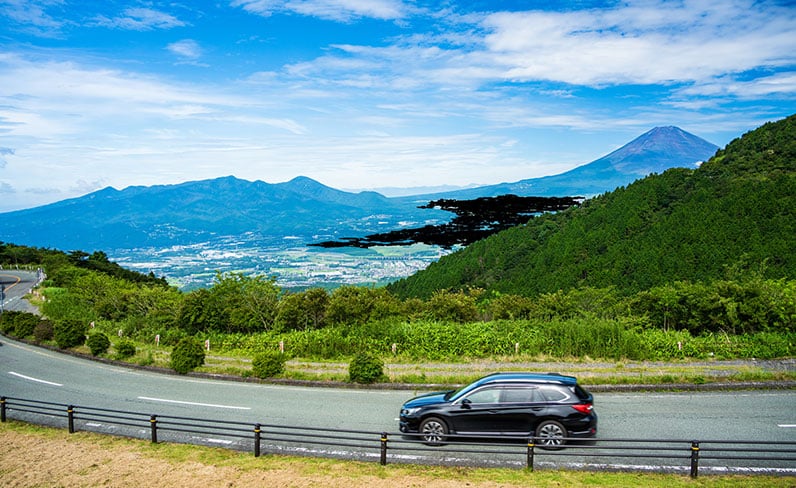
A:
[572,338]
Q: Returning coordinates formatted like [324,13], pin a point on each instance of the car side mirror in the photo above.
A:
[466,404]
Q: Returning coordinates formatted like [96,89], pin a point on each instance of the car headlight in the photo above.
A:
[408,412]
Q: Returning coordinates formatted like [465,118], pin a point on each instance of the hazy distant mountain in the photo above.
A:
[653,152]
[202,210]
[199,211]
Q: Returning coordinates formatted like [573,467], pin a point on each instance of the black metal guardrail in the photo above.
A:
[688,453]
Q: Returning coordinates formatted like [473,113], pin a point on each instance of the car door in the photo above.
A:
[475,413]
[520,406]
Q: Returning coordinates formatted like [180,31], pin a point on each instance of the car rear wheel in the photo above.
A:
[550,435]
[433,431]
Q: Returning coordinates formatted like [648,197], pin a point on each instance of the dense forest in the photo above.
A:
[686,264]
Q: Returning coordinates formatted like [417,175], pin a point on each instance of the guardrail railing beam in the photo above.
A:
[735,452]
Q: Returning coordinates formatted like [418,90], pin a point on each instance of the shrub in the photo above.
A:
[43,331]
[125,348]
[268,364]
[69,333]
[98,343]
[365,368]
[18,324]
[187,355]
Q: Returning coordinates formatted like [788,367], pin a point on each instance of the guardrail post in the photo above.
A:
[70,415]
[529,461]
[2,409]
[256,440]
[383,459]
[153,427]
[694,458]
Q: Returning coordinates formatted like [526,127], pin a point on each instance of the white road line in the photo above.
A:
[33,379]
[219,441]
[193,403]
[787,426]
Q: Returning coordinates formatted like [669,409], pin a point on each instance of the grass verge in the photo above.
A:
[42,456]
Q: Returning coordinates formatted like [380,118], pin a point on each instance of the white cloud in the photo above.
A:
[4,151]
[140,19]
[32,16]
[642,42]
[337,10]
[186,48]
[777,84]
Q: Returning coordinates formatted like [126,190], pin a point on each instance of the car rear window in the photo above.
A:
[554,394]
[582,394]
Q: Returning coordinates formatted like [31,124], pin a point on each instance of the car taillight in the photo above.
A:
[584,408]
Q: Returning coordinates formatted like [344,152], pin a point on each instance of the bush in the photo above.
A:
[365,368]
[268,364]
[43,331]
[125,348]
[69,333]
[18,324]
[98,343]
[187,355]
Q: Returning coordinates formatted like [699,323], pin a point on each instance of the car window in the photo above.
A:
[520,395]
[484,395]
[553,394]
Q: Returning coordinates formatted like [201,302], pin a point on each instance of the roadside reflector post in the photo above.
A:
[70,416]
[383,459]
[257,440]
[529,461]
[694,459]
[2,409]
[153,427]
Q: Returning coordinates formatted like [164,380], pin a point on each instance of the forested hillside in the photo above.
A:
[734,213]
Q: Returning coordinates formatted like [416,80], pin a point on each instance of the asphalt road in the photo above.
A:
[33,373]
[15,285]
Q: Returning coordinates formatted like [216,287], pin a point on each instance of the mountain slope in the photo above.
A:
[196,211]
[735,210]
[655,151]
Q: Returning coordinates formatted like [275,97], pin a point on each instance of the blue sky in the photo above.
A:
[361,94]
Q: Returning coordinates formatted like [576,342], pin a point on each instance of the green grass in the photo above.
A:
[362,474]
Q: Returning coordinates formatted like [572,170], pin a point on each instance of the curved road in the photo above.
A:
[34,373]
[15,285]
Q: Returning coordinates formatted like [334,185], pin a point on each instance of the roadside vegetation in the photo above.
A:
[683,266]
[244,318]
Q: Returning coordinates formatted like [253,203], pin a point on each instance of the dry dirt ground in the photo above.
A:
[43,457]
[58,459]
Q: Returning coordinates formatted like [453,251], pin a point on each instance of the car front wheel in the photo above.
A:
[433,431]
[550,435]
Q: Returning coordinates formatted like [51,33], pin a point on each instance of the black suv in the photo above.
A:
[549,407]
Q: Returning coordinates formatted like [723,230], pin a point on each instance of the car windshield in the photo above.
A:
[452,393]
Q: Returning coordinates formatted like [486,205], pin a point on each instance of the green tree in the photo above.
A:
[305,310]
[201,311]
[353,305]
[249,302]
[445,305]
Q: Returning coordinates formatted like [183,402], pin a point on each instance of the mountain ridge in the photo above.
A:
[195,211]
[644,155]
